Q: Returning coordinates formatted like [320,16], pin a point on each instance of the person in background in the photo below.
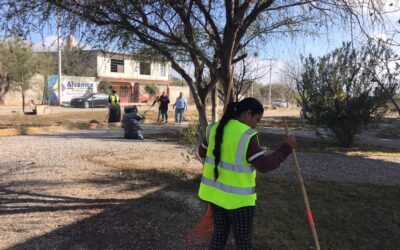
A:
[163,108]
[231,154]
[114,110]
[181,106]
[113,99]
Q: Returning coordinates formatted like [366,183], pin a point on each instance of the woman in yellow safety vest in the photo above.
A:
[232,153]
[113,98]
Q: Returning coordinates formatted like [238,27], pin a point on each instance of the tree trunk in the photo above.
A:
[227,85]
[202,118]
[23,102]
[395,104]
[5,86]
[44,89]
[214,108]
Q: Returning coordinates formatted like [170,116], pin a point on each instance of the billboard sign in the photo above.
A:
[71,86]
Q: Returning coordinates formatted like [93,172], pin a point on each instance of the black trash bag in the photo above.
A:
[131,109]
[114,113]
[131,123]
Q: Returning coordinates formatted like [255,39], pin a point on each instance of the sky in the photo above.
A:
[275,54]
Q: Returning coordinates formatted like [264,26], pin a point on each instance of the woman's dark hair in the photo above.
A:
[233,110]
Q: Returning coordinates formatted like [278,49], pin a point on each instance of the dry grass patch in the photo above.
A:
[56,119]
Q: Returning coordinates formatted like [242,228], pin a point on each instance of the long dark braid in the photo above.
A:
[229,114]
[234,109]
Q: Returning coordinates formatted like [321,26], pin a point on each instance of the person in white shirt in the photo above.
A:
[181,106]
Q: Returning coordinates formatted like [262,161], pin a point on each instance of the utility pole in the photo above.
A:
[59,56]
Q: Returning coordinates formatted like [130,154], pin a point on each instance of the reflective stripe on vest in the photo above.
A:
[240,150]
[232,167]
[228,188]
[235,186]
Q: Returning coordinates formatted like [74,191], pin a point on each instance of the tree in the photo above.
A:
[290,78]
[384,68]
[21,64]
[245,77]
[176,82]
[75,62]
[210,34]
[246,74]
[151,89]
[338,92]
[5,83]
[278,91]
[105,86]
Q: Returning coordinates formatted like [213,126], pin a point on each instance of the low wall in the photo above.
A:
[13,97]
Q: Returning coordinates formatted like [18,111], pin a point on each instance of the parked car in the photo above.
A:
[90,100]
[280,104]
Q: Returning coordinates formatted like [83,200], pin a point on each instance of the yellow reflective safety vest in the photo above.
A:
[235,186]
[114,99]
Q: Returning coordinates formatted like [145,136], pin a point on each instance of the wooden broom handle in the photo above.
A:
[303,191]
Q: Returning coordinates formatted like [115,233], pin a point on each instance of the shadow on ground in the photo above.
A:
[153,221]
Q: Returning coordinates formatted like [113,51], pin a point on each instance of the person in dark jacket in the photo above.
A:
[163,108]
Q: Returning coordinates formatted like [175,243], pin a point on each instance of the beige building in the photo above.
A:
[129,76]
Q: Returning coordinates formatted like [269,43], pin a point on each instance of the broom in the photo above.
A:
[303,191]
[201,234]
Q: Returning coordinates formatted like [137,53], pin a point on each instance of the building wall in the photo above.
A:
[13,97]
[131,68]
[175,90]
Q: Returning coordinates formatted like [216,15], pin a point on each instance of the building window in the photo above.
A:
[145,68]
[117,65]
[163,70]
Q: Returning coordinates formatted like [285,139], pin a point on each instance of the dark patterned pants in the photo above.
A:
[241,220]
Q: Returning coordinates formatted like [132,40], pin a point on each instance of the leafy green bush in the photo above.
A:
[191,134]
[338,92]
[191,137]
[104,87]
[152,89]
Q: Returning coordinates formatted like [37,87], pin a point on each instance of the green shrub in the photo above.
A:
[338,92]
[104,87]
[191,134]
[152,89]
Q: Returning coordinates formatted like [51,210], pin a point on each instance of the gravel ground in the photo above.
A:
[342,168]
[366,137]
[77,181]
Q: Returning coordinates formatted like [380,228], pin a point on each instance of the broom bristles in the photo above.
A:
[201,234]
